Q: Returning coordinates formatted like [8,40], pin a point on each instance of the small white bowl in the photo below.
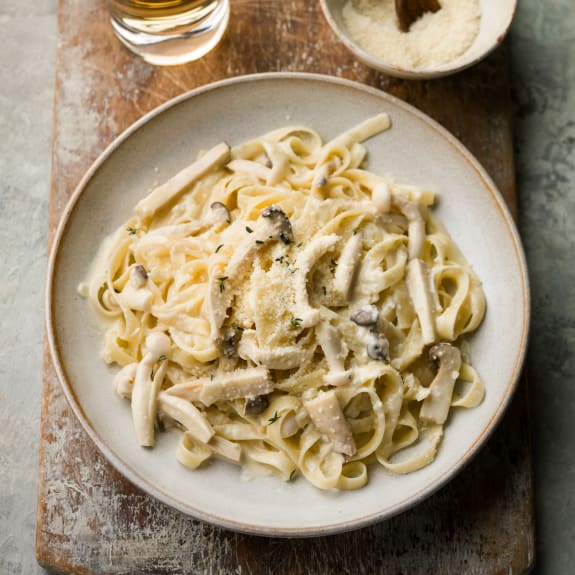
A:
[496,17]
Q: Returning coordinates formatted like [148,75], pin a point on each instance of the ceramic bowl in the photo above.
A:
[496,17]
[235,110]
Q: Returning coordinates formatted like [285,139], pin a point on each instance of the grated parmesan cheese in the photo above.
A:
[434,39]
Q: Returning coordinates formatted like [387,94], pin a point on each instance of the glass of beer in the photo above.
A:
[169,32]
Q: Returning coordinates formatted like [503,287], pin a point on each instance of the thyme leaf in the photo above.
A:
[295,322]
[274,418]
[221,283]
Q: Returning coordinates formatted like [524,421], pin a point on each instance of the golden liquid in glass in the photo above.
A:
[169,32]
[156,16]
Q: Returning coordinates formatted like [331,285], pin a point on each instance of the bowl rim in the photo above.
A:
[128,472]
[423,73]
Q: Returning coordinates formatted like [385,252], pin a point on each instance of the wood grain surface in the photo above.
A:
[93,521]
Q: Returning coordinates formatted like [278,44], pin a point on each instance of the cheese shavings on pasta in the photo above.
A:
[290,311]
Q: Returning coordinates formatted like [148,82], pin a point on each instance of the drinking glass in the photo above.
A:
[169,32]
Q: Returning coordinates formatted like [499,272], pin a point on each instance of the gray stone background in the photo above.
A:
[542,43]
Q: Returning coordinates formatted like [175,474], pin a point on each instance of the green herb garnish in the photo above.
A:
[221,282]
[219,248]
[132,231]
[249,230]
[274,418]
[295,322]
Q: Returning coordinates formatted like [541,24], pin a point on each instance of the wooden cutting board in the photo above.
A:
[93,521]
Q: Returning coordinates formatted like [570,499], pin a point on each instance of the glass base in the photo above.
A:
[171,49]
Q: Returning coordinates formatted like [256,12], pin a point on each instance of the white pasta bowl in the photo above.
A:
[496,18]
[235,110]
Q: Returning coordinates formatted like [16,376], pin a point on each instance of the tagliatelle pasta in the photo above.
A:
[290,311]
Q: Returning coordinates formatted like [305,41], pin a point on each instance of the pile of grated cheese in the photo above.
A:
[434,39]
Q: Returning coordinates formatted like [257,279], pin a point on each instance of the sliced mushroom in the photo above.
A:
[146,387]
[138,276]
[435,407]
[306,259]
[419,289]
[346,269]
[335,352]
[160,196]
[280,223]
[230,343]
[367,316]
[256,405]
[217,302]
[219,213]
[327,416]
[416,226]
[378,347]
[236,384]
[281,357]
